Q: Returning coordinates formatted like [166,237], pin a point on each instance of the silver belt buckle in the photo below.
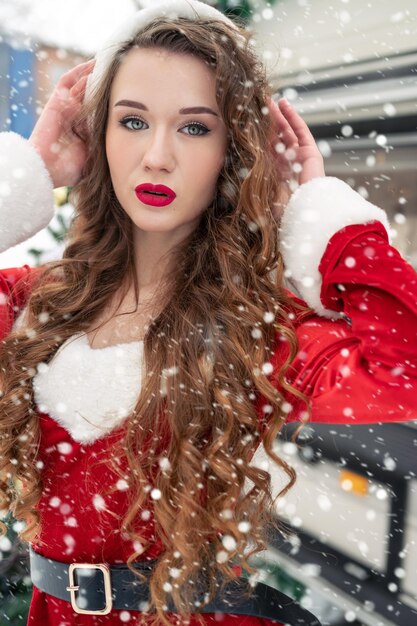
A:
[105,570]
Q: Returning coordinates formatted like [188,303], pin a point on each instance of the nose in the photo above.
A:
[159,152]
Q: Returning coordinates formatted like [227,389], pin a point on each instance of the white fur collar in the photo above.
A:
[315,212]
[89,391]
[26,191]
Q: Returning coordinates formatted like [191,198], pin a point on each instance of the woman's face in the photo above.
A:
[164,128]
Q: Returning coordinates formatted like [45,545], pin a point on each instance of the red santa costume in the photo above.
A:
[357,362]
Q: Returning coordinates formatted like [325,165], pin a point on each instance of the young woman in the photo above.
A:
[140,372]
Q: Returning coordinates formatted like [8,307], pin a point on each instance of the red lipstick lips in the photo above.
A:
[155,195]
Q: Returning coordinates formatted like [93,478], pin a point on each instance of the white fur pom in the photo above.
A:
[315,212]
[26,191]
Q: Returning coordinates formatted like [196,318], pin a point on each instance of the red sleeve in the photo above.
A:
[364,368]
[14,290]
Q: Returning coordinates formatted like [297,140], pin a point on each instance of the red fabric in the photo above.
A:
[364,370]
[357,371]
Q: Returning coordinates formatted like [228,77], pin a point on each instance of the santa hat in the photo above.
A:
[172,9]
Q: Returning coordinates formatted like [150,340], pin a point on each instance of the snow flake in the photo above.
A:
[5,544]
[164,463]
[167,587]
[350,616]
[381,140]
[125,616]
[345,17]
[138,547]
[346,485]
[244,527]
[381,493]
[269,317]
[267,368]
[174,572]
[98,502]
[54,502]
[43,317]
[290,93]
[289,448]
[389,109]
[122,484]
[229,543]
[267,13]
[226,514]
[324,503]
[312,570]
[222,556]
[156,494]
[389,463]
[399,218]
[253,227]
[64,447]
[70,543]
[344,370]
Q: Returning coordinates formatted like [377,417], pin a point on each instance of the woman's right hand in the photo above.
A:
[62,151]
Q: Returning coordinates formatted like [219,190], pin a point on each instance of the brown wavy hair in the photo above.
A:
[205,350]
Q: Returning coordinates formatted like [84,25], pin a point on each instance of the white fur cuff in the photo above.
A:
[26,191]
[315,212]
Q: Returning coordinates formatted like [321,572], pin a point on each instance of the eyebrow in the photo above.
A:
[186,111]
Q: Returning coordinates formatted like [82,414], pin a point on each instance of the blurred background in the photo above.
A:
[349,68]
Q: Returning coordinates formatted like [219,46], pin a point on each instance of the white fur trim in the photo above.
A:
[26,191]
[90,391]
[315,212]
[191,9]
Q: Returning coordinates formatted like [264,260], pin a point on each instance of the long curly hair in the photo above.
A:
[221,311]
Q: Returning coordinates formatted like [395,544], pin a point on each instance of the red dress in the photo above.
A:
[359,370]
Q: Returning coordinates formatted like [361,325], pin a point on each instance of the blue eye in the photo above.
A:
[196,129]
[137,123]
[133,119]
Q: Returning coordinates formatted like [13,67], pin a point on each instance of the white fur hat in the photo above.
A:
[191,9]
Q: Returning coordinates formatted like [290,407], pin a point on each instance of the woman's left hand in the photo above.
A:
[294,149]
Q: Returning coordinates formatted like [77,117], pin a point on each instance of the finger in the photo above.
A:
[297,124]
[69,79]
[78,89]
[283,128]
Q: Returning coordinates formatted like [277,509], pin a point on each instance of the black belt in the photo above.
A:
[96,589]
